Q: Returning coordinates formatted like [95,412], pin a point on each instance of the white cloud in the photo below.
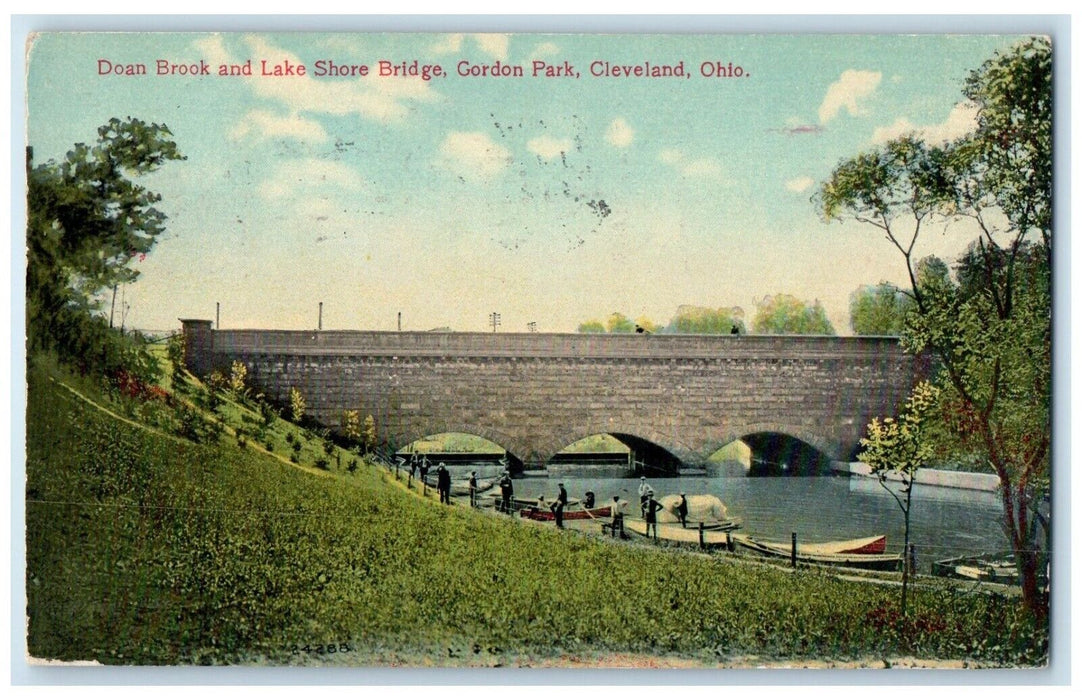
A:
[263,125]
[799,184]
[961,120]
[380,99]
[849,92]
[701,167]
[450,43]
[544,50]
[494,45]
[473,153]
[620,133]
[696,167]
[670,156]
[308,175]
[548,147]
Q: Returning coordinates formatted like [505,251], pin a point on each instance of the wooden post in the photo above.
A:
[702,542]
[728,540]
[792,555]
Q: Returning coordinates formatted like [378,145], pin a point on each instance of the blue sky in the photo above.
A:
[451,198]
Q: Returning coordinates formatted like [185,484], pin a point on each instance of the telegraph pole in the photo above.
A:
[319,326]
[494,320]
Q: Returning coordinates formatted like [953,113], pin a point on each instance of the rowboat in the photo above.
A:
[716,536]
[546,515]
[461,487]
[518,504]
[863,553]
[996,568]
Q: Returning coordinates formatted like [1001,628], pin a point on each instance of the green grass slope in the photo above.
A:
[145,548]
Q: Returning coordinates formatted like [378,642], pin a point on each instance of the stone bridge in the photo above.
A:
[673,399]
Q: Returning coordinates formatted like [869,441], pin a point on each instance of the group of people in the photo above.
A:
[419,463]
[650,506]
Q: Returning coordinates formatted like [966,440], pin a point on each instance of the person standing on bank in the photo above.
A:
[682,510]
[443,484]
[645,494]
[507,492]
[617,515]
[558,507]
[473,489]
[652,507]
[424,471]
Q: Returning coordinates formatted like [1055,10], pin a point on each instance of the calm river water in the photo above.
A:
[945,522]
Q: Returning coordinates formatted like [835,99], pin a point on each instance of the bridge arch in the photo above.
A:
[783,450]
[643,454]
[502,440]
[649,446]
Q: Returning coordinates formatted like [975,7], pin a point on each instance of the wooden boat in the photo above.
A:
[715,536]
[863,553]
[996,568]
[519,503]
[546,515]
[461,487]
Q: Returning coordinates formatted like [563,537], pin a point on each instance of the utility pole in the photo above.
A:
[217,315]
[320,325]
[399,321]
[494,320]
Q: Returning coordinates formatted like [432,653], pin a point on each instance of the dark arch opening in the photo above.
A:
[648,458]
[462,453]
[777,454]
[618,454]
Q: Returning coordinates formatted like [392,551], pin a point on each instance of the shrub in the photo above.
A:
[296,405]
[238,372]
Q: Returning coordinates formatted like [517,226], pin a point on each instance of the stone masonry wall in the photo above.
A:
[533,394]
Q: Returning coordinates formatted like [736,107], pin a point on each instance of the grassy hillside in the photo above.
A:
[147,548]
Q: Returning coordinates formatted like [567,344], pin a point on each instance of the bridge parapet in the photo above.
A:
[572,345]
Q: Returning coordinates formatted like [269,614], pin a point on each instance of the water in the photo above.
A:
[944,523]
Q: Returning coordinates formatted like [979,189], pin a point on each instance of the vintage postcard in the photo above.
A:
[539,350]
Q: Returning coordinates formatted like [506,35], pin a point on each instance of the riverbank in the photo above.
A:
[144,549]
[971,481]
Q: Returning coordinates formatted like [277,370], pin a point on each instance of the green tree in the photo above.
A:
[87,219]
[707,321]
[989,329]
[647,326]
[878,309]
[900,447]
[618,323]
[592,327]
[784,314]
